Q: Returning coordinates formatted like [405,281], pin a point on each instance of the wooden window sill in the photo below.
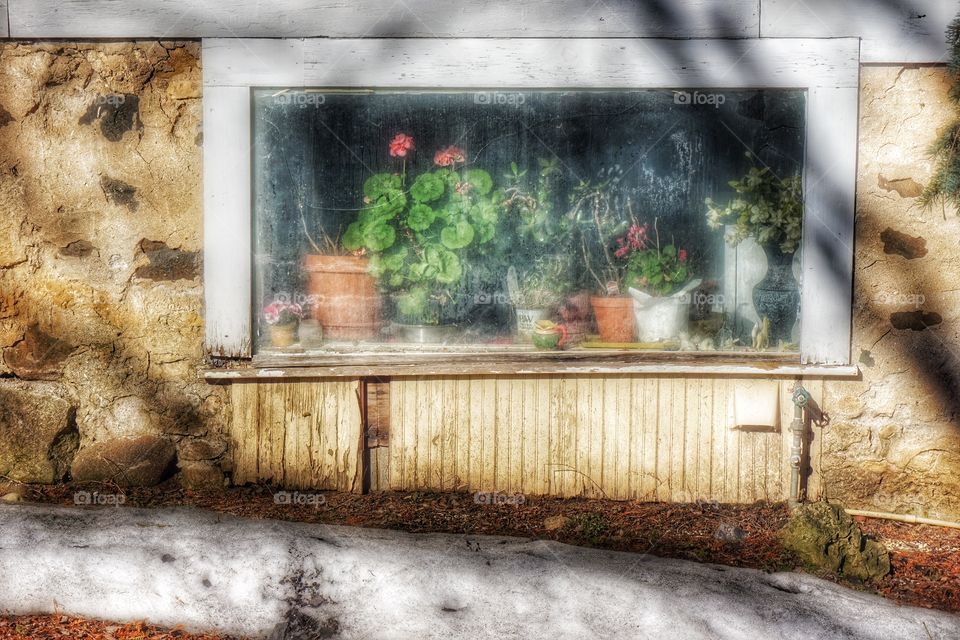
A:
[538,363]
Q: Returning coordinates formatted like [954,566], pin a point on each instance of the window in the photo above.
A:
[511,219]
[477,203]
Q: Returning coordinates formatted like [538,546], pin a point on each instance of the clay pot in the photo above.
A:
[615,319]
[346,300]
[283,335]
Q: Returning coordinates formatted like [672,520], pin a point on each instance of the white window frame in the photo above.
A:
[828,69]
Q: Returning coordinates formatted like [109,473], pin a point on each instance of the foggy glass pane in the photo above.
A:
[523,220]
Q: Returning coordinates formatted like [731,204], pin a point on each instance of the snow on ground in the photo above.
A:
[264,578]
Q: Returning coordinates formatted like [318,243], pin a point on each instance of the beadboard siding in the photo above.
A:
[297,435]
[638,438]
[4,20]
[374,18]
[893,32]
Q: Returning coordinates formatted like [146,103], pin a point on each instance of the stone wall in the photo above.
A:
[101,324]
[894,440]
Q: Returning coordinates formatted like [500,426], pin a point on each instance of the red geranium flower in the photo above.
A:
[450,155]
[682,255]
[400,145]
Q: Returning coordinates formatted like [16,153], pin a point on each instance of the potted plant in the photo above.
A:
[417,231]
[599,223]
[538,292]
[769,210]
[346,300]
[658,279]
[283,319]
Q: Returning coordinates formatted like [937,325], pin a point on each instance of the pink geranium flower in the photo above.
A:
[401,145]
[448,156]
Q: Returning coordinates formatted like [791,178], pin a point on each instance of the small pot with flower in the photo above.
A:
[658,280]
[598,220]
[283,319]
[537,293]
[547,334]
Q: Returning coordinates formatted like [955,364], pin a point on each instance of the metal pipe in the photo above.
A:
[800,397]
[903,518]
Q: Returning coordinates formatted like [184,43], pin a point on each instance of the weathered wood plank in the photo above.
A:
[651,413]
[298,436]
[892,32]
[553,63]
[244,402]
[466,365]
[704,443]
[829,188]
[371,18]
[226,222]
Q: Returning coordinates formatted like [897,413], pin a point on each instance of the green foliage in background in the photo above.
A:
[765,208]
[944,186]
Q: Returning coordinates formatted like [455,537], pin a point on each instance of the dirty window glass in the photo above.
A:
[527,220]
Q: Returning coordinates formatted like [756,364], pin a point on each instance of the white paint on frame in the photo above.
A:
[897,31]
[828,69]
[378,19]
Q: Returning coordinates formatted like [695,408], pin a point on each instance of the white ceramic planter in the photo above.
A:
[662,318]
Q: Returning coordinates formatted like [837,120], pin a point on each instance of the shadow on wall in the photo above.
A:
[99,272]
[100,292]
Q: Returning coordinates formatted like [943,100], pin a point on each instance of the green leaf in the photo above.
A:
[421,216]
[428,187]
[352,237]
[378,237]
[480,180]
[412,302]
[393,261]
[378,184]
[450,270]
[388,205]
[457,236]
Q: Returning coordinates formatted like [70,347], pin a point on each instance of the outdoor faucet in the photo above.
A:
[801,398]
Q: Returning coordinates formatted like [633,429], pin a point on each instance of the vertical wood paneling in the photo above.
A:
[243,432]
[297,435]
[643,438]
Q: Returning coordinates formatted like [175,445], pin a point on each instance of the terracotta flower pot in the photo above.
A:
[283,335]
[615,319]
[346,300]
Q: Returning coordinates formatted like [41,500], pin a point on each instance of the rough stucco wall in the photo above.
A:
[100,237]
[894,443]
